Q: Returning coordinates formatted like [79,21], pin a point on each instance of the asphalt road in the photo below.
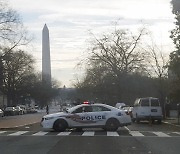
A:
[143,138]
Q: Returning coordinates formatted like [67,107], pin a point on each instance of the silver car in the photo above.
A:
[1,113]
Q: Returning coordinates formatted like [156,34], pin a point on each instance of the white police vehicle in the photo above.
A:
[87,115]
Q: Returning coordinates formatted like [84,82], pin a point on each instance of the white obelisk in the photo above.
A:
[46,60]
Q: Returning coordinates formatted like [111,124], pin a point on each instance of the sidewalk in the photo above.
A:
[23,120]
[172,121]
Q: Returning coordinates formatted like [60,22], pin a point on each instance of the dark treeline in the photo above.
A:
[174,64]
[120,69]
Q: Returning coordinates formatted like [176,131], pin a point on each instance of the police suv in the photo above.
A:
[87,115]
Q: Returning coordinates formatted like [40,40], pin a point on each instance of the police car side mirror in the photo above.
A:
[65,110]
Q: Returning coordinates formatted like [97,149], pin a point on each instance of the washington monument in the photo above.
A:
[46,60]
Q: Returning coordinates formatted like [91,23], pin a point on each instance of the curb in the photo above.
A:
[14,127]
[165,122]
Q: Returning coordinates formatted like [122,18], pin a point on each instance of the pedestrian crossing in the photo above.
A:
[92,133]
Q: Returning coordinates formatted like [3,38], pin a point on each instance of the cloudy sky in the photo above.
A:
[70,20]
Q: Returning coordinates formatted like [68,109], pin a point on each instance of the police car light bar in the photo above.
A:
[86,102]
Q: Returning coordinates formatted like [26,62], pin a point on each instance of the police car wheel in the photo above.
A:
[112,125]
[60,125]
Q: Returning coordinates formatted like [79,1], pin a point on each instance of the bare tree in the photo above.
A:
[156,67]
[12,31]
[12,34]
[112,60]
[16,66]
[118,51]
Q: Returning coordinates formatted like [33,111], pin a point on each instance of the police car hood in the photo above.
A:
[56,114]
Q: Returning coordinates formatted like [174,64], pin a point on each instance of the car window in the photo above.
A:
[87,109]
[78,110]
[99,109]
[83,109]
[145,102]
[155,102]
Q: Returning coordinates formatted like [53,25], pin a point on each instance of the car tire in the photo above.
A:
[112,124]
[137,119]
[133,119]
[60,125]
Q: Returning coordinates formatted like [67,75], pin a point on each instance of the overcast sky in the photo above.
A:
[69,21]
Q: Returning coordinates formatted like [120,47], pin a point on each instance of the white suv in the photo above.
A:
[147,109]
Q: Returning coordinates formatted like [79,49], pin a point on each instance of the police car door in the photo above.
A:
[99,115]
[80,117]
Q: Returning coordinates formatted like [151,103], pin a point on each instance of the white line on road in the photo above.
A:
[40,133]
[112,134]
[1,132]
[18,133]
[161,134]
[127,128]
[136,133]
[64,134]
[88,133]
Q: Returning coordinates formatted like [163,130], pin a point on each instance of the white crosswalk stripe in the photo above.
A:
[136,133]
[161,134]
[64,134]
[18,133]
[112,134]
[177,133]
[40,133]
[1,132]
[88,133]
[92,133]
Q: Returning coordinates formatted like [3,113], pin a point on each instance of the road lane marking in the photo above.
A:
[1,132]
[161,134]
[88,133]
[127,128]
[18,133]
[112,134]
[64,134]
[40,133]
[135,133]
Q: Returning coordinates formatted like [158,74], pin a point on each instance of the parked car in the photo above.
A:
[19,110]
[147,109]
[23,107]
[31,110]
[10,111]
[87,115]
[1,113]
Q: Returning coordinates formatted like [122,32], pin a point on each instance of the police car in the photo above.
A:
[87,115]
